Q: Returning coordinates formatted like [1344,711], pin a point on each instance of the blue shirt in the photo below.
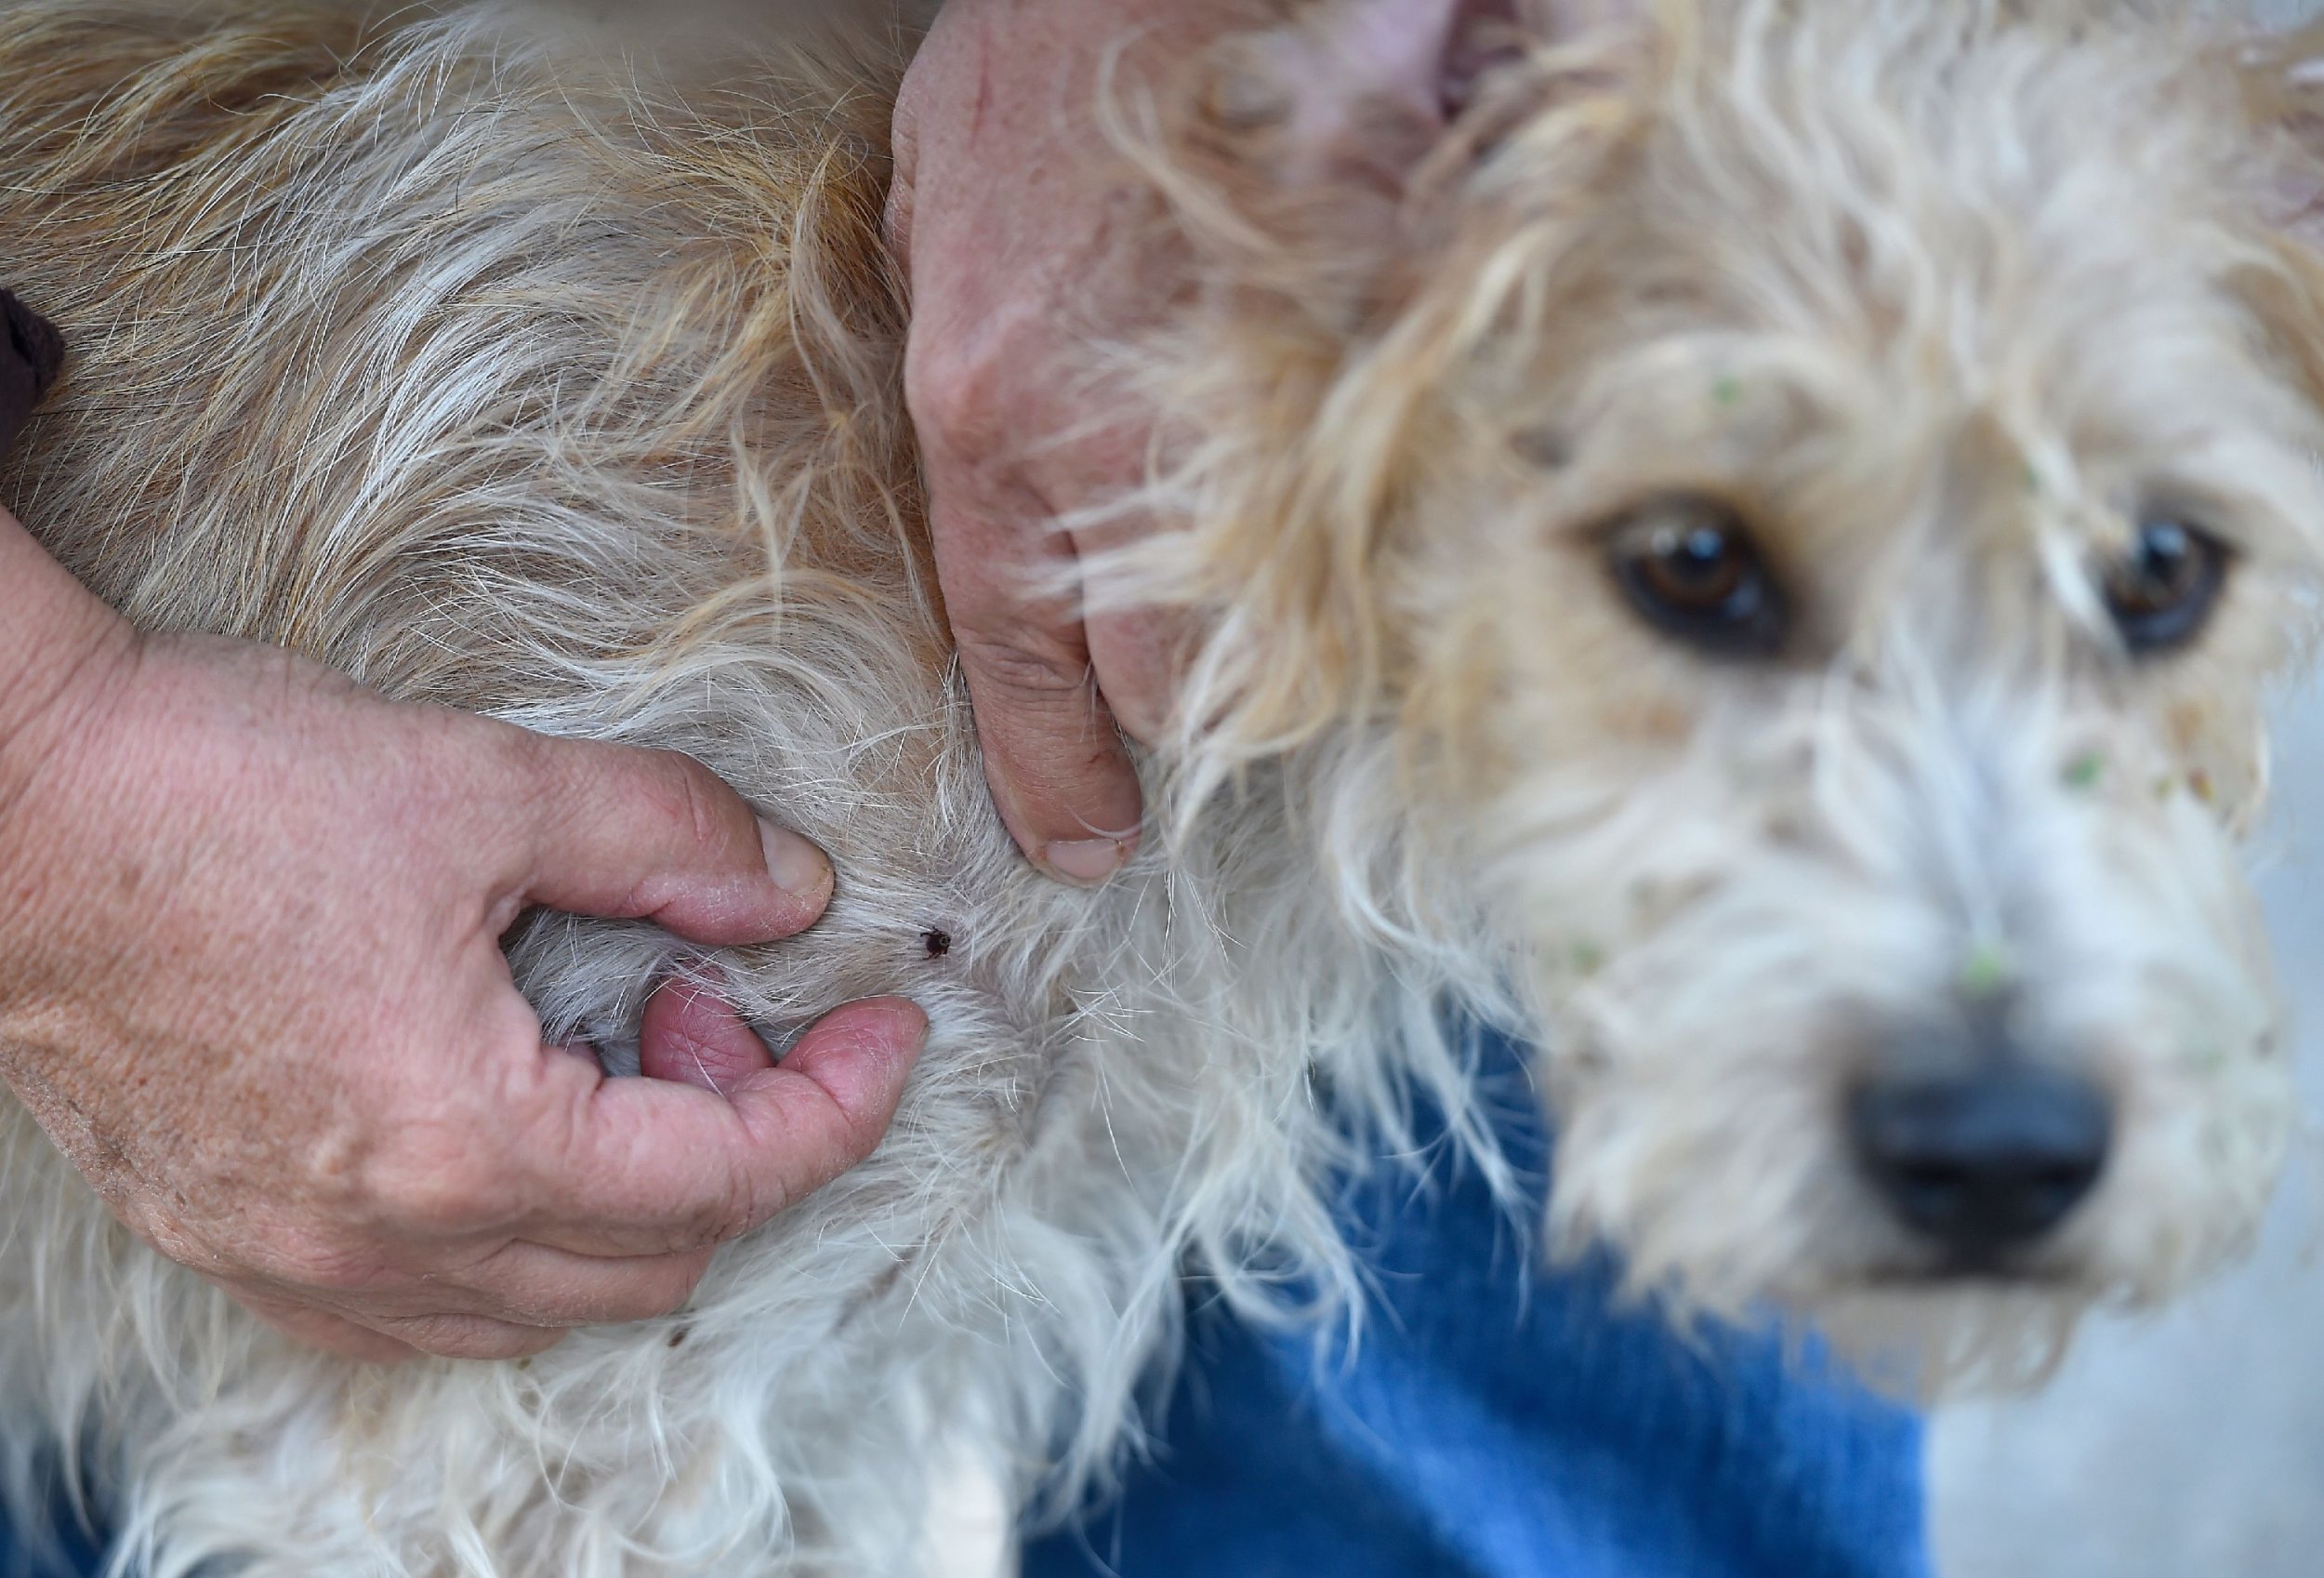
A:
[1493,1423]
[1497,1424]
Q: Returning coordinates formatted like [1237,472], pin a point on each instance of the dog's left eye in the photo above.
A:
[1690,567]
[2161,594]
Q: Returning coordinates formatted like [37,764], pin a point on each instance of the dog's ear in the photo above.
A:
[1302,146]
[1371,82]
[1369,87]
[1316,179]
[2284,91]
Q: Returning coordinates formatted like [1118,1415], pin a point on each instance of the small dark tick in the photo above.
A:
[938,944]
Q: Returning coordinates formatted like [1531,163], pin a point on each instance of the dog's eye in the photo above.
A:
[1690,567]
[2161,594]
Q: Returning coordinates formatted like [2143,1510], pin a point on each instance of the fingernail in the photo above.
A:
[1087,860]
[797,866]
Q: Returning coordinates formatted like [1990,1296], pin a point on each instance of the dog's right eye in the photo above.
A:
[1689,567]
[2162,592]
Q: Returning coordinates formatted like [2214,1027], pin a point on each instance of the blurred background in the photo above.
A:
[2190,1445]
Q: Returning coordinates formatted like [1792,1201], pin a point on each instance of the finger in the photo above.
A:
[1140,659]
[1059,774]
[526,1285]
[1124,654]
[1138,654]
[655,836]
[651,1168]
[691,1037]
[516,1284]
[323,1331]
[469,1336]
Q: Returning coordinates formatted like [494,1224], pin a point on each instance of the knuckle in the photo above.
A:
[954,385]
[436,1187]
[510,781]
[979,384]
[704,803]
[861,1130]
[690,804]
[1028,662]
[518,765]
[317,1264]
[737,1210]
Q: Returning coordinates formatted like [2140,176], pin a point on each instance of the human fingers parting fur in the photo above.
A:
[254,986]
[1024,245]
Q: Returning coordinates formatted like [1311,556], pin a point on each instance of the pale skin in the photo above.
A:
[1009,213]
[250,979]
[250,982]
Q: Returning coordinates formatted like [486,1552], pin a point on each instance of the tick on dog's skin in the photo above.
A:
[938,943]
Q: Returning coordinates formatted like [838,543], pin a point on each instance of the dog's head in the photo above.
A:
[1802,500]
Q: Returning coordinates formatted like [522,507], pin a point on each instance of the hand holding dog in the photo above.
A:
[250,980]
[1009,212]
[249,973]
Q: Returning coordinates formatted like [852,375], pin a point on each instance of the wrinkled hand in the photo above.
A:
[1011,215]
[250,981]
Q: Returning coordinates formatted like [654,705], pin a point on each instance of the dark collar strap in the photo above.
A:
[30,357]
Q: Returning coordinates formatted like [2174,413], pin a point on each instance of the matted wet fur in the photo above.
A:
[504,367]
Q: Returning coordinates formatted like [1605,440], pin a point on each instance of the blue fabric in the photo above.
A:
[63,1551]
[1492,1424]
[1496,1424]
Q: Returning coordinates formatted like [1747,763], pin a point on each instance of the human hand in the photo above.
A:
[1021,242]
[250,981]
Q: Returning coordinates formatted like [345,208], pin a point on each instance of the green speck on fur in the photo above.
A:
[1728,391]
[1588,958]
[2085,770]
[1985,972]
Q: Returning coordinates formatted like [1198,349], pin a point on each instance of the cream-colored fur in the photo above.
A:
[509,364]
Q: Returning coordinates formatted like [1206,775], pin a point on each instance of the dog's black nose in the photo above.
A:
[1981,1161]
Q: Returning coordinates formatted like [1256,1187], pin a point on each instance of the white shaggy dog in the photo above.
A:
[1742,543]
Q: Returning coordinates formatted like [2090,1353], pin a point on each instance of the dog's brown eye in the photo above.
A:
[1690,567]
[2161,594]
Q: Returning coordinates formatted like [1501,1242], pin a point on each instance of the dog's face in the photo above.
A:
[1828,497]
